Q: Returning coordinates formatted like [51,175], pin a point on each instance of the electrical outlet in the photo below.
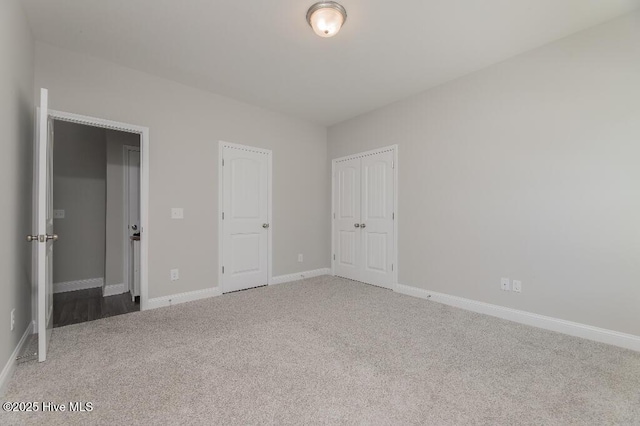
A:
[517,286]
[177,213]
[504,284]
[13,319]
[175,274]
[58,214]
[300,258]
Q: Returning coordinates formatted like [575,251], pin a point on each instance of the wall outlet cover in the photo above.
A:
[177,213]
[175,274]
[517,286]
[300,258]
[504,284]
[58,214]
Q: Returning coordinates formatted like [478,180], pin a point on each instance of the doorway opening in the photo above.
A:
[96,215]
[43,237]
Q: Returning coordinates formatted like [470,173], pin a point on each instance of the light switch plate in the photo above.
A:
[58,214]
[177,213]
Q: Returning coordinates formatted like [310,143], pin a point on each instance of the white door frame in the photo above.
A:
[144,185]
[269,153]
[393,148]
[125,203]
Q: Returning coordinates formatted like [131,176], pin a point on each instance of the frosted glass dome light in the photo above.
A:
[326,18]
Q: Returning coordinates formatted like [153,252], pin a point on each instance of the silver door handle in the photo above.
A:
[357,225]
[363,225]
[42,238]
[265,225]
[134,227]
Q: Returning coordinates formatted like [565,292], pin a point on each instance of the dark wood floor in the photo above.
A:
[78,306]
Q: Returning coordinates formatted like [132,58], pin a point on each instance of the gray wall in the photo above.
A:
[79,188]
[529,170]
[16,123]
[115,208]
[185,127]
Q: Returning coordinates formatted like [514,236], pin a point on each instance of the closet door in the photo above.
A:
[364,218]
[347,239]
[376,227]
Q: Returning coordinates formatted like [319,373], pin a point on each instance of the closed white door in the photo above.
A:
[245,221]
[364,232]
[376,226]
[347,236]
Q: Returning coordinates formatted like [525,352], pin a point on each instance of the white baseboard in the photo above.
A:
[113,289]
[174,299]
[77,285]
[299,276]
[10,366]
[623,340]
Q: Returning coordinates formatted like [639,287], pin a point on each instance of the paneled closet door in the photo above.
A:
[364,240]
[347,239]
[376,228]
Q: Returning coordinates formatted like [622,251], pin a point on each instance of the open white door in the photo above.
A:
[44,237]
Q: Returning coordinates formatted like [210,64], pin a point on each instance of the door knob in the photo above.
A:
[364,225]
[42,238]
[265,225]
[357,225]
[134,227]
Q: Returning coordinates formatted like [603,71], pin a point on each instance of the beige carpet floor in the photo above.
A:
[326,351]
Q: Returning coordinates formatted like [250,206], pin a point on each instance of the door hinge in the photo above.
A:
[334,257]
[223,269]
[334,215]
[393,216]
[392,267]
[223,162]
[222,215]
[393,165]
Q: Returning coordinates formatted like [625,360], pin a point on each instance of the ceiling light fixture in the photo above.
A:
[326,18]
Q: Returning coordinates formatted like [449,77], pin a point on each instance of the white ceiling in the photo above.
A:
[263,52]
